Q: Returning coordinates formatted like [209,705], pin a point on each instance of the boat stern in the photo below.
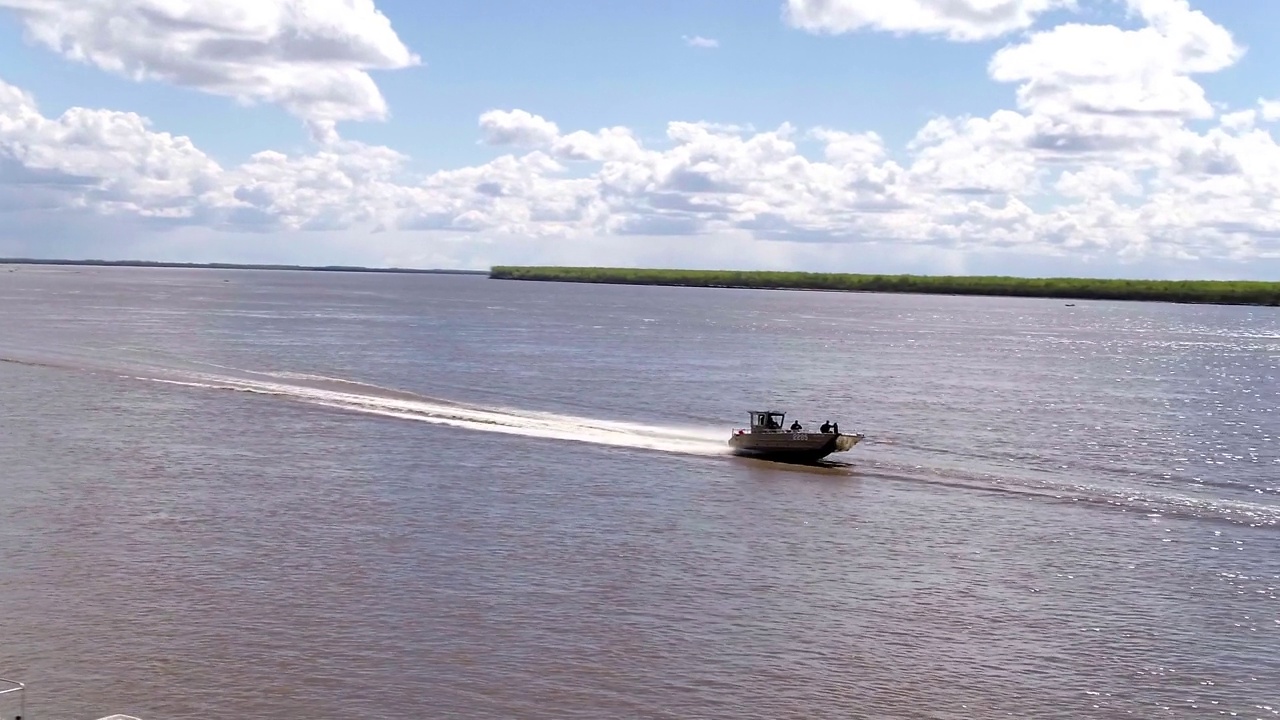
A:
[845,443]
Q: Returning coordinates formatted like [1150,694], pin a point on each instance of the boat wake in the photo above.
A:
[354,396]
[879,461]
[360,397]
[1131,498]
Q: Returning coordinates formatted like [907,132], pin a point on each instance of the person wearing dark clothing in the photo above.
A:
[826,427]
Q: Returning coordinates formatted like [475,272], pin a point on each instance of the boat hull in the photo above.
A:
[791,446]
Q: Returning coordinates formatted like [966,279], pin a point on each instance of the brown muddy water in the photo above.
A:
[284,494]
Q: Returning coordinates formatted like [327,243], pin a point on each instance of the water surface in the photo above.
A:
[287,494]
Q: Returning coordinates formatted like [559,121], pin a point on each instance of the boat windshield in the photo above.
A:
[768,420]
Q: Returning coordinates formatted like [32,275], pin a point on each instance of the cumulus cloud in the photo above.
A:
[1270,110]
[1099,160]
[959,20]
[1091,94]
[109,160]
[1105,73]
[312,57]
[516,127]
[1095,181]
[969,185]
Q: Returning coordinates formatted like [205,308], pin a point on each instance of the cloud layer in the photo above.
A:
[1098,160]
[310,56]
[960,20]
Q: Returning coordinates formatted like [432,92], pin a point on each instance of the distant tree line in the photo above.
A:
[1222,292]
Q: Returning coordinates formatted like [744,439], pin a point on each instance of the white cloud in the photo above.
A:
[1270,110]
[1091,97]
[312,57]
[976,156]
[1098,181]
[516,127]
[1098,161]
[960,20]
[1098,92]
[110,161]
[1239,120]
[615,143]
[970,187]
[697,41]
[1106,72]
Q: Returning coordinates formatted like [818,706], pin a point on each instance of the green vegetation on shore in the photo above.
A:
[233,266]
[1222,292]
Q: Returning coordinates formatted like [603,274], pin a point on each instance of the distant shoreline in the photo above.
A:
[1208,292]
[238,266]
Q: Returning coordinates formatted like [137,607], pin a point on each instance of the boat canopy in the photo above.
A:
[767,419]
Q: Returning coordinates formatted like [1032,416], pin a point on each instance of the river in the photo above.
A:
[337,495]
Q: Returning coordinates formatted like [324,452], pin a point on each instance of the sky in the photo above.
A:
[1103,138]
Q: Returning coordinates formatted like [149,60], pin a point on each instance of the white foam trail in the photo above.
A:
[287,375]
[501,420]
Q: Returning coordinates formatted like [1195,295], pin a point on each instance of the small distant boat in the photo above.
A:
[769,438]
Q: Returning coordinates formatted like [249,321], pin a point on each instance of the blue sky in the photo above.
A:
[583,64]
[590,65]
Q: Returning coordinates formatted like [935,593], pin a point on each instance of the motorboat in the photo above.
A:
[769,437]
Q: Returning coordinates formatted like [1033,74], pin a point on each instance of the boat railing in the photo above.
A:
[13,694]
